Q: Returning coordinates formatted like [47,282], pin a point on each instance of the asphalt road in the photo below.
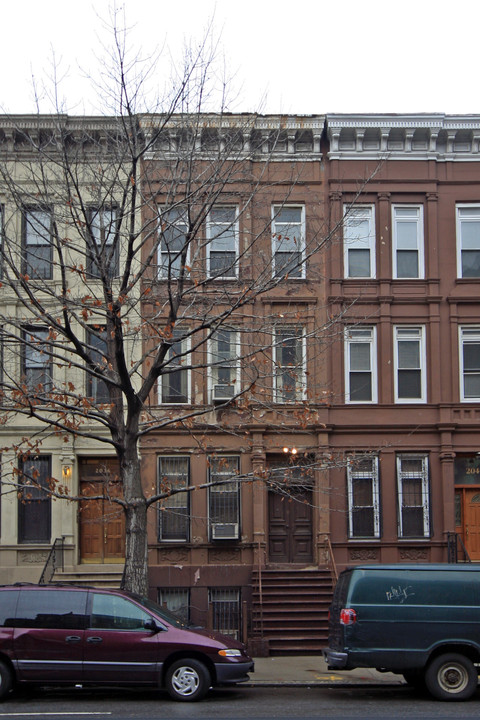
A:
[240,703]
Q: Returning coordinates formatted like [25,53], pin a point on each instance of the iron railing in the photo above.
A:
[54,561]
[456,548]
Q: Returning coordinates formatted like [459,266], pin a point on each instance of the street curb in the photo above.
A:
[320,683]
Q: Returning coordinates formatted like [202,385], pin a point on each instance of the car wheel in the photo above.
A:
[6,680]
[187,680]
[451,677]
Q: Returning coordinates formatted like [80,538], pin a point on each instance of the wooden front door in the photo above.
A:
[290,527]
[102,521]
[470,521]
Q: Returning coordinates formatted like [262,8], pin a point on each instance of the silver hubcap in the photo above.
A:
[185,680]
[453,677]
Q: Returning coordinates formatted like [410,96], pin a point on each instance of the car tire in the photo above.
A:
[187,680]
[451,677]
[6,680]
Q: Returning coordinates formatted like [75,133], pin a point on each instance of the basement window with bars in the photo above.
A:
[224,497]
[225,609]
[176,601]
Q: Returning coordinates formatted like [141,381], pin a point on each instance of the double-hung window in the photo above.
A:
[102,256]
[360,364]
[413,496]
[468,241]
[174,511]
[359,241]
[363,497]
[289,364]
[222,242]
[469,342]
[96,386]
[173,250]
[224,369]
[34,500]
[410,365]
[224,497]
[288,240]
[174,384]
[37,243]
[408,241]
[37,360]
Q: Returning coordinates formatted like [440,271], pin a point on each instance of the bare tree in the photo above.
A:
[142,249]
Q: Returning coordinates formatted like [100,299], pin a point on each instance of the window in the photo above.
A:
[363,498]
[410,364]
[224,365]
[413,496]
[289,364]
[224,499]
[470,364]
[222,248]
[173,242]
[37,240]
[174,511]
[408,241]
[37,361]
[225,605]
[468,241]
[103,251]
[176,601]
[60,610]
[360,365]
[174,385]
[34,503]
[359,242]
[112,612]
[96,387]
[288,240]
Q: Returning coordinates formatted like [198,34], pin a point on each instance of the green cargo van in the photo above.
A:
[422,621]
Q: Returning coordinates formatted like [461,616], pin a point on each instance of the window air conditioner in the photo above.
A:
[224,531]
[223,393]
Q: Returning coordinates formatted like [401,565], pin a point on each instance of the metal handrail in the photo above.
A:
[453,540]
[55,561]
[331,565]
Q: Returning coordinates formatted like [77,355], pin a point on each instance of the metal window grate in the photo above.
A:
[225,607]
[176,601]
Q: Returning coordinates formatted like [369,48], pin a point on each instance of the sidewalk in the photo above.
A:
[311,670]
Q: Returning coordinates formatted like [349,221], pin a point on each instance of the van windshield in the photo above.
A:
[161,612]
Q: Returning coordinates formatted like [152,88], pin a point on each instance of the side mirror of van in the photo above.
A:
[151,625]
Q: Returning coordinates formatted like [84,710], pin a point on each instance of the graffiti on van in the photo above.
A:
[399,594]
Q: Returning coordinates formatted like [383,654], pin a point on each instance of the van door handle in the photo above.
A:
[94,639]
[72,638]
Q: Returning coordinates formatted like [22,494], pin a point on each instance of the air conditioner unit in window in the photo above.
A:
[223,393]
[224,531]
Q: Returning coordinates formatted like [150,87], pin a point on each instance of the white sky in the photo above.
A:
[303,56]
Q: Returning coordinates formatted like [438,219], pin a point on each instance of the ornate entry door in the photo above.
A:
[290,526]
[102,521]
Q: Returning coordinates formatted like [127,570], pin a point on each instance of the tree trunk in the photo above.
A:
[135,577]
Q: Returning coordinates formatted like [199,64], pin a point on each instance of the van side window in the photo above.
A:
[8,603]
[112,612]
[56,610]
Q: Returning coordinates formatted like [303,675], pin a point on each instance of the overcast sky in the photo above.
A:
[302,57]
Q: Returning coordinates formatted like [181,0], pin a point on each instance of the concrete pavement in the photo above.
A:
[311,670]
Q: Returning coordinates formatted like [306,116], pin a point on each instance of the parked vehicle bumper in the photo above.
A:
[233,673]
[335,660]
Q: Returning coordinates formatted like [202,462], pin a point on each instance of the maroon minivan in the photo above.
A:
[74,635]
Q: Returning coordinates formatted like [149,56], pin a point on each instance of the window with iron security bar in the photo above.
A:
[176,601]
[174,511]
[225,611]
[363,498]
[413,496]
[224,498]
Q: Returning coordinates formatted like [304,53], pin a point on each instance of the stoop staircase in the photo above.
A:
[290,609]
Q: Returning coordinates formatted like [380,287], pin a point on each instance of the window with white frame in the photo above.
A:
[288,240]
[222,245]
[413,496]
[173,250]
[363,497]
[224,370]
[37,360]
[175,379]
[408,241]
[174,511]
[224,497]
[289,364]
[360,364]
[102,256]
[359,241]
[468,241]
[410,364]
[469,342]
[37,243]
